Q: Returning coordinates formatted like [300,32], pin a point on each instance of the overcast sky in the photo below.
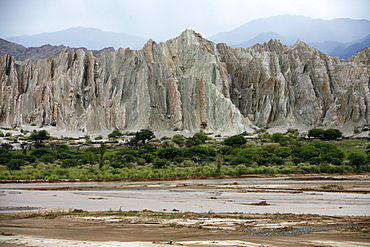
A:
[161,19]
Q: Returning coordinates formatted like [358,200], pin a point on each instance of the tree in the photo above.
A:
[277,137]
[235,140]
[192,141]
[39,136]
[115,133]
[87,139]
[283,152]
[292,132]
[203,125]
[160,163]
[169,153]
[332,134]
[102,150]
[329,134]
[219,161]
[357,160]
[178,139]
[202,137]
[15,164]
[329,153]
[5,156]
[6,146]
[198,138]
[304,153]
[144,134]
[316,133]
[40,152]
[203,153]
[63,148]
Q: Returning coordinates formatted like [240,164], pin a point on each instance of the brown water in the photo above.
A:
[227,195]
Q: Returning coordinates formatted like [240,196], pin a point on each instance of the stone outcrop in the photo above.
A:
[21,53]
[186,81]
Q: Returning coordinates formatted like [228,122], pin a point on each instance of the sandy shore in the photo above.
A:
[182,229]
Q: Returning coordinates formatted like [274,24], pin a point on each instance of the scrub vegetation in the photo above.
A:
[142,156]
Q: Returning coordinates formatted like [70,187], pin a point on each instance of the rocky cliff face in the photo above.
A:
[186,81]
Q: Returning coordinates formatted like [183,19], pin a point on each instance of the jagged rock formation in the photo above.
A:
[186,81]
[21,53]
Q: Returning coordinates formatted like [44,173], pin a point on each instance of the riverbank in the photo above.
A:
[304,210]
[148,228]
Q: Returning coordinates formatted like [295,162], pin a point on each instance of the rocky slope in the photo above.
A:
[186,81]
[21,53]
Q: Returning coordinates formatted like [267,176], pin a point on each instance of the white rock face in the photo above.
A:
[186,81]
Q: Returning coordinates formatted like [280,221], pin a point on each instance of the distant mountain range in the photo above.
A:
[337,37]
[91,38]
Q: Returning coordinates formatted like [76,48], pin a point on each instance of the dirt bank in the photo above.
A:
[148,228]
[28,226]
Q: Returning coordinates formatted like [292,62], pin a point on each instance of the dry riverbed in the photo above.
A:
[77,227]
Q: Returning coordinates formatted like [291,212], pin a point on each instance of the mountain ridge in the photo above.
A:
[329,34]
[303,28]
[91,38]
[21,53]
[185,81]
[325,35]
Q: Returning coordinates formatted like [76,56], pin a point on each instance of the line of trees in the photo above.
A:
[329,134]
[234,155]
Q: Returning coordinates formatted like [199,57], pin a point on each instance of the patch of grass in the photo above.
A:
[247,217]
[353,146]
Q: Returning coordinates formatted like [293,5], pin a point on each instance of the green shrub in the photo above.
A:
[144,135]
[69,163]
[30,158]
[225,150]
[169,153]
[178,139]
[117,164]
[236,160]
[129,158]
[161,163]
[329,134]
[241,169]
[192,142]
[64,155]
[115,133]
[40,152]
[356,160]
[204,153]
[15,164]
[148,157]
[49,158]
[63,148]
[283,152]
[277,137]
[235,140]
[202,137]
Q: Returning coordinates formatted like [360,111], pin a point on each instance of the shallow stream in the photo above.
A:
[247,195]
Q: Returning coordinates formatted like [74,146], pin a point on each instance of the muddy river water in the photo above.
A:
[322,195]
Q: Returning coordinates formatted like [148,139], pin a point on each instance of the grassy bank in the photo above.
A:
[200,156]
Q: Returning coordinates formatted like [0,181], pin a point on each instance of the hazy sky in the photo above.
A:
[161,19]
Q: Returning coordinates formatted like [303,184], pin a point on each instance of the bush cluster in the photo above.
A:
[180,157]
